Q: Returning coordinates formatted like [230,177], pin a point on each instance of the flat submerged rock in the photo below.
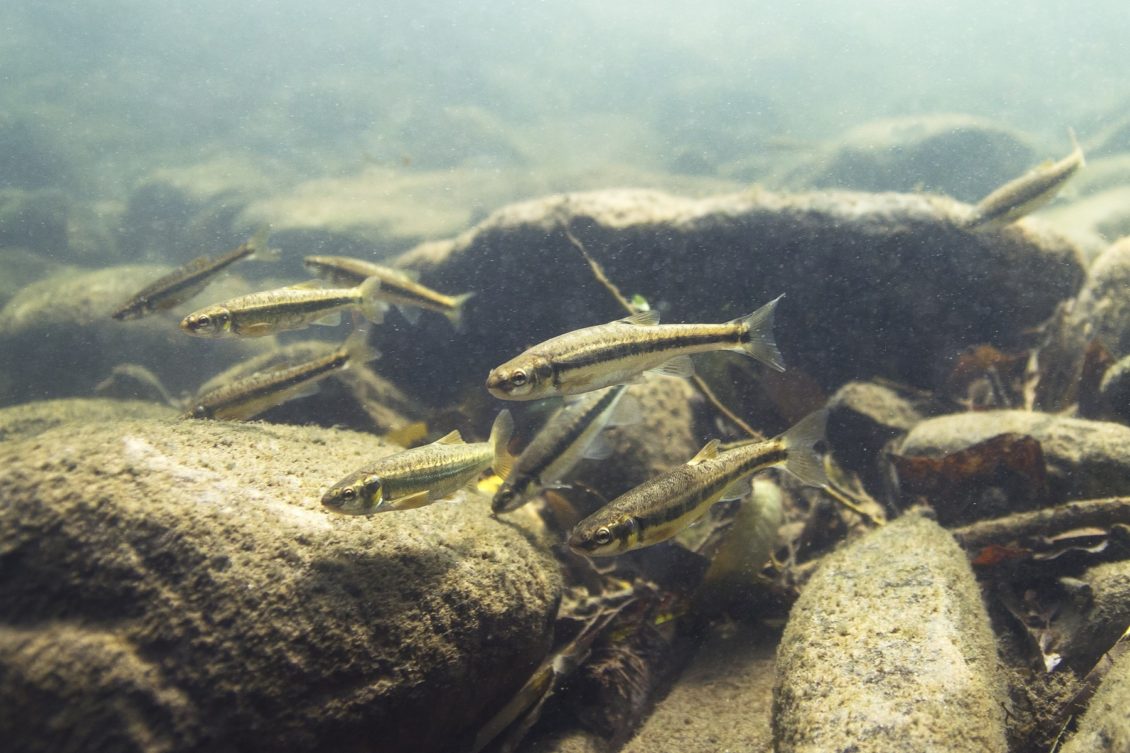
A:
[889,649]
[191,564]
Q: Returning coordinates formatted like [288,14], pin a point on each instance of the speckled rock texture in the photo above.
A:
[1114,391]
[876,284]
[889,649]
[57,338]
[1085,459]
[1105,728]
[1104,305]
[176,586]
[29,419]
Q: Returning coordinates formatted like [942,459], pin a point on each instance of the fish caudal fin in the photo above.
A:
[455,314]
[372,307]
[500,434]
[801,440]
[359,348]
[757,335]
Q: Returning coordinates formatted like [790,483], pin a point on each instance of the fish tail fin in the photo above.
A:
[372,306]
[359,348]
[1078,148]
[455,315]
[757,335]
[800,441]
[258,248]
[500,434]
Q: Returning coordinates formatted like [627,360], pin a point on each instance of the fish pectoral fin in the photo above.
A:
[452,437]
[329,320]
[411,501]
[411,314]
[709,451]
[679,366]
[599,449]
[262,329]
[641,319]
[736,490]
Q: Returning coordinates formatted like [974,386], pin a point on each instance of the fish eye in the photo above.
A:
[200,411]
[203,320]
[602,536]
[348,493]
[518,378]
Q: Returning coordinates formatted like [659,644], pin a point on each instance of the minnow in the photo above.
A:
[620,351]
[294,307]
[1027,193]
[251,395]
[417,477]
[187,280]
[397,287]
[662,507]
[571,434]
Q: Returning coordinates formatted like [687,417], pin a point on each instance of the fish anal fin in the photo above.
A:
[599,449]
[679,366]
[737,489]
[329,320]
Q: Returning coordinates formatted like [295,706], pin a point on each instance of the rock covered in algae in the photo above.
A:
[1098,616]
[957,155]
[889,649]
[1085,459]
[1105,727]
[884,285]
[1103,305]
[29,419]
[58,338]
[194,594]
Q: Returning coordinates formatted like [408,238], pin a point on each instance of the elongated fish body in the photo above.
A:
[255,393]
[566,438]
[187,280]
[417,477]
[618,352]
[662,507]
[271,311]
[397,287]
[1025,194]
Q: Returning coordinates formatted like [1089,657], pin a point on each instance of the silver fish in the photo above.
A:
[660,508]
[618,352]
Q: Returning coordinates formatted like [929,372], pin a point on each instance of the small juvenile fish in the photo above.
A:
[570,434]
[1027,193]
[251,395]
[618,352]
[417,477]
[295,307]
[189,279]
[397,287]
[660,508]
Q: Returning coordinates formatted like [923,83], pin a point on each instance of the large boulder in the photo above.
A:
[177,586]
[876,284]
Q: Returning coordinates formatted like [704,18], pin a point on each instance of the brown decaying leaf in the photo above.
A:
[1011,462]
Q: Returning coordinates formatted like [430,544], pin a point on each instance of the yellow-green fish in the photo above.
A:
[417,477]
[1027,193]
[571,434]
[251,395]
[660,508]
[295,307]
[397,287]
[618,352]
[189,279]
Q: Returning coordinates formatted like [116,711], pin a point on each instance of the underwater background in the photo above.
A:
[927,547]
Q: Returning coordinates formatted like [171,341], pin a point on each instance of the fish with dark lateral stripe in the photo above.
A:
[619,352]
[659,509]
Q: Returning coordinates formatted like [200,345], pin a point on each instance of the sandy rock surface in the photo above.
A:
[166,584]
[1105,728]
[889,649]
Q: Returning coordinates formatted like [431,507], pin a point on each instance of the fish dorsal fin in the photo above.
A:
[307,285]
[452,437]
[709,451]
[641,319]
[410,314]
